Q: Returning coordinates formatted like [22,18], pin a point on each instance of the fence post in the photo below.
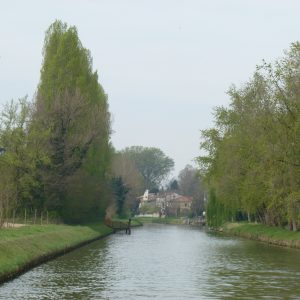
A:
[41,218]
[34,216]
[47,218]
[25,217]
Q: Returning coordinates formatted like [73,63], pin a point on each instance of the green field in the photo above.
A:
[21,248]
[272,235]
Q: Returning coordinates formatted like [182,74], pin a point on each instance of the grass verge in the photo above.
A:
[28,246]
[134,221]
[263,233]
[167,220]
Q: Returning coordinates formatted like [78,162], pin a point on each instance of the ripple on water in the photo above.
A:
[164,262]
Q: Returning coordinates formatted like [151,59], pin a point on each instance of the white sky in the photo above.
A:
[163,63]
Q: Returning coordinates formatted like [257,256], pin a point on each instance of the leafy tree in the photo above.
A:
[174,185]
[22,155]
[124,167]
[152,163]
[72,110]
[120,191]
[190,184]
[252,160]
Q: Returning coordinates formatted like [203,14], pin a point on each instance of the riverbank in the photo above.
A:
[134,221]
[259,232]
[166,220]
[25,247]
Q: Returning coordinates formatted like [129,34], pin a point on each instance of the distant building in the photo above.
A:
[165,204]
[179,205]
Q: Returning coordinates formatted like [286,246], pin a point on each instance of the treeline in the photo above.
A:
[136,169]
[139,168]
[56,152]
[189,183]
[252,165]
[56,157]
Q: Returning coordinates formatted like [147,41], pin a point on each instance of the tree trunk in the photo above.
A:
[294,224]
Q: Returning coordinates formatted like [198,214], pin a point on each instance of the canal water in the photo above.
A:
[164,262]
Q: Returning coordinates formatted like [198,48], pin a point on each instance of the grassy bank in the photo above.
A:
[134,221]
[167,220]
[263,233]
[22,248]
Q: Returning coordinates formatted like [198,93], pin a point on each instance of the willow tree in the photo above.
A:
[252,160]
[72,112]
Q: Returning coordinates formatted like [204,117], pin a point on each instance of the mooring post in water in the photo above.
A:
[128,229]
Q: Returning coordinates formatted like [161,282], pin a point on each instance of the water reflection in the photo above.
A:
[164,262]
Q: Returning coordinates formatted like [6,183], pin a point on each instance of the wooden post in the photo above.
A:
[25,217]
[47,218]
[41,218]
[34,217]
[128,230]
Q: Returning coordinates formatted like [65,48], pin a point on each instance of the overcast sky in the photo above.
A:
[163,63]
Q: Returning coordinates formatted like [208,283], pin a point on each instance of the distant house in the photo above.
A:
[165,203]
[179,205]
[147,204]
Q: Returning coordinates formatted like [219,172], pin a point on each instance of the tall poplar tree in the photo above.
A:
[72,112]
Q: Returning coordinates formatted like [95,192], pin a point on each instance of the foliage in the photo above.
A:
[217,212]
[149,209]
[152,163]
[252,159]
[71,107]
[58,151]
[124,167]
[120,191]
[190,184]
[22,156]
[173,185]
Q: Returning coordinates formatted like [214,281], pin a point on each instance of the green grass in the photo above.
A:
[260,232]
[25,246]
[167,220]
[134,221]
